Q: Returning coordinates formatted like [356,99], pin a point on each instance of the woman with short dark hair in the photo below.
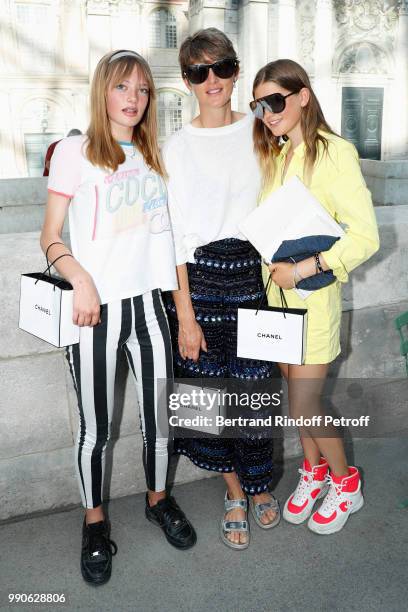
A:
[213,184]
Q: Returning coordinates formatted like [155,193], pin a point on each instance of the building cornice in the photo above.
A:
[109,7]
[61,80]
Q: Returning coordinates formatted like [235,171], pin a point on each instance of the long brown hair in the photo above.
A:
[291,76]
[102,149]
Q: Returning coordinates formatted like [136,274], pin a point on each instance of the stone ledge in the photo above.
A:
[45,482]
[34,415]
[29,191]
[393,169]
[370,343]
[381,280]
[387,181]
[36,439]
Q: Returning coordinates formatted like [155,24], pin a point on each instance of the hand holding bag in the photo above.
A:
[272,333]
[46,306]
[303,248]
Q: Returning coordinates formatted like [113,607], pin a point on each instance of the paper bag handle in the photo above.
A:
[48,268]
[49,265]
[265,293]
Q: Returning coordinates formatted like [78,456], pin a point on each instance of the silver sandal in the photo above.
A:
[258,510]
[228,526]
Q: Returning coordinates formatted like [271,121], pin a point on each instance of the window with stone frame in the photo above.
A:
[170,111]
[36,31]
[162,29]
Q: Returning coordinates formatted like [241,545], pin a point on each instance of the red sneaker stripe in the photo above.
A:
[315,493]
[323,520]
[296,509]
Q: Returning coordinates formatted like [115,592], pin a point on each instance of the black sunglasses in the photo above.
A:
[275,103]
[198,73]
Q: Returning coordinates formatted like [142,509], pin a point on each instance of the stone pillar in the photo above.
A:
[323,46]
[126,26]
[287,29]
[194,15]
[400,141]
[8,166]
[98,16]
[206,14]
[10,137]
[73,45]
[253,45]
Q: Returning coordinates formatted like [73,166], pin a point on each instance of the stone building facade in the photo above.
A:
[356,52]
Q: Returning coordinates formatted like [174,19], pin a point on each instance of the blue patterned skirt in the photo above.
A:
[226,275]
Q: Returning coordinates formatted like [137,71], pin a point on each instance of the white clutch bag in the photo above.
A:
[289,213]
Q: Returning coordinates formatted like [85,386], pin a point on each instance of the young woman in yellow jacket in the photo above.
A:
[287,108]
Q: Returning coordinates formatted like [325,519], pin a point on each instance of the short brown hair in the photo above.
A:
[210,42]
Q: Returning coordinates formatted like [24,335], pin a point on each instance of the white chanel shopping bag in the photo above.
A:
[46,304]
[272,333]
[200,407]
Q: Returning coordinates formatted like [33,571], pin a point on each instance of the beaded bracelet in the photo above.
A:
[319,269]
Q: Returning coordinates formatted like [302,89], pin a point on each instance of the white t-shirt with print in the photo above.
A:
[214,182]
[119,224]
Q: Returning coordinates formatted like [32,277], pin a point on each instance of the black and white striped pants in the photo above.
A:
[138,326]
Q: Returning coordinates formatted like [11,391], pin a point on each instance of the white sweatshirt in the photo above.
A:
[214,182]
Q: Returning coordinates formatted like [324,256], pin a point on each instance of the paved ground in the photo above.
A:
[363,568]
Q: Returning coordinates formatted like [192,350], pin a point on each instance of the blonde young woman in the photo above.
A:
[286,108]
[111,182]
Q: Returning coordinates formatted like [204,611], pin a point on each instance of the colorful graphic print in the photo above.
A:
[129,200]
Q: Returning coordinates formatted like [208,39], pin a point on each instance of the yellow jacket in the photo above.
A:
[338,184]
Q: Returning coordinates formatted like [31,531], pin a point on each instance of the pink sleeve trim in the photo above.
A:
[60,193]
[96,212]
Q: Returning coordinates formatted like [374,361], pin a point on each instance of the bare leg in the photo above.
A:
[310,449]
[155,496]
[94,515]
[302,397]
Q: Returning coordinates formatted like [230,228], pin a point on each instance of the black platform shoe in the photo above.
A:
[167,515]
[97,552]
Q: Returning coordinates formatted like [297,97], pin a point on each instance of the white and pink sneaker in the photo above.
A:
[311,487]
[344,498]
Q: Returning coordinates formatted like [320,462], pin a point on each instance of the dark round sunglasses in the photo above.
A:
[198,73]
[275,103]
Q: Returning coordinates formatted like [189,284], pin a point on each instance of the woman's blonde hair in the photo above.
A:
[102,149]
[291,76]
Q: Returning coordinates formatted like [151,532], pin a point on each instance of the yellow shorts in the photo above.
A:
[323,319]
